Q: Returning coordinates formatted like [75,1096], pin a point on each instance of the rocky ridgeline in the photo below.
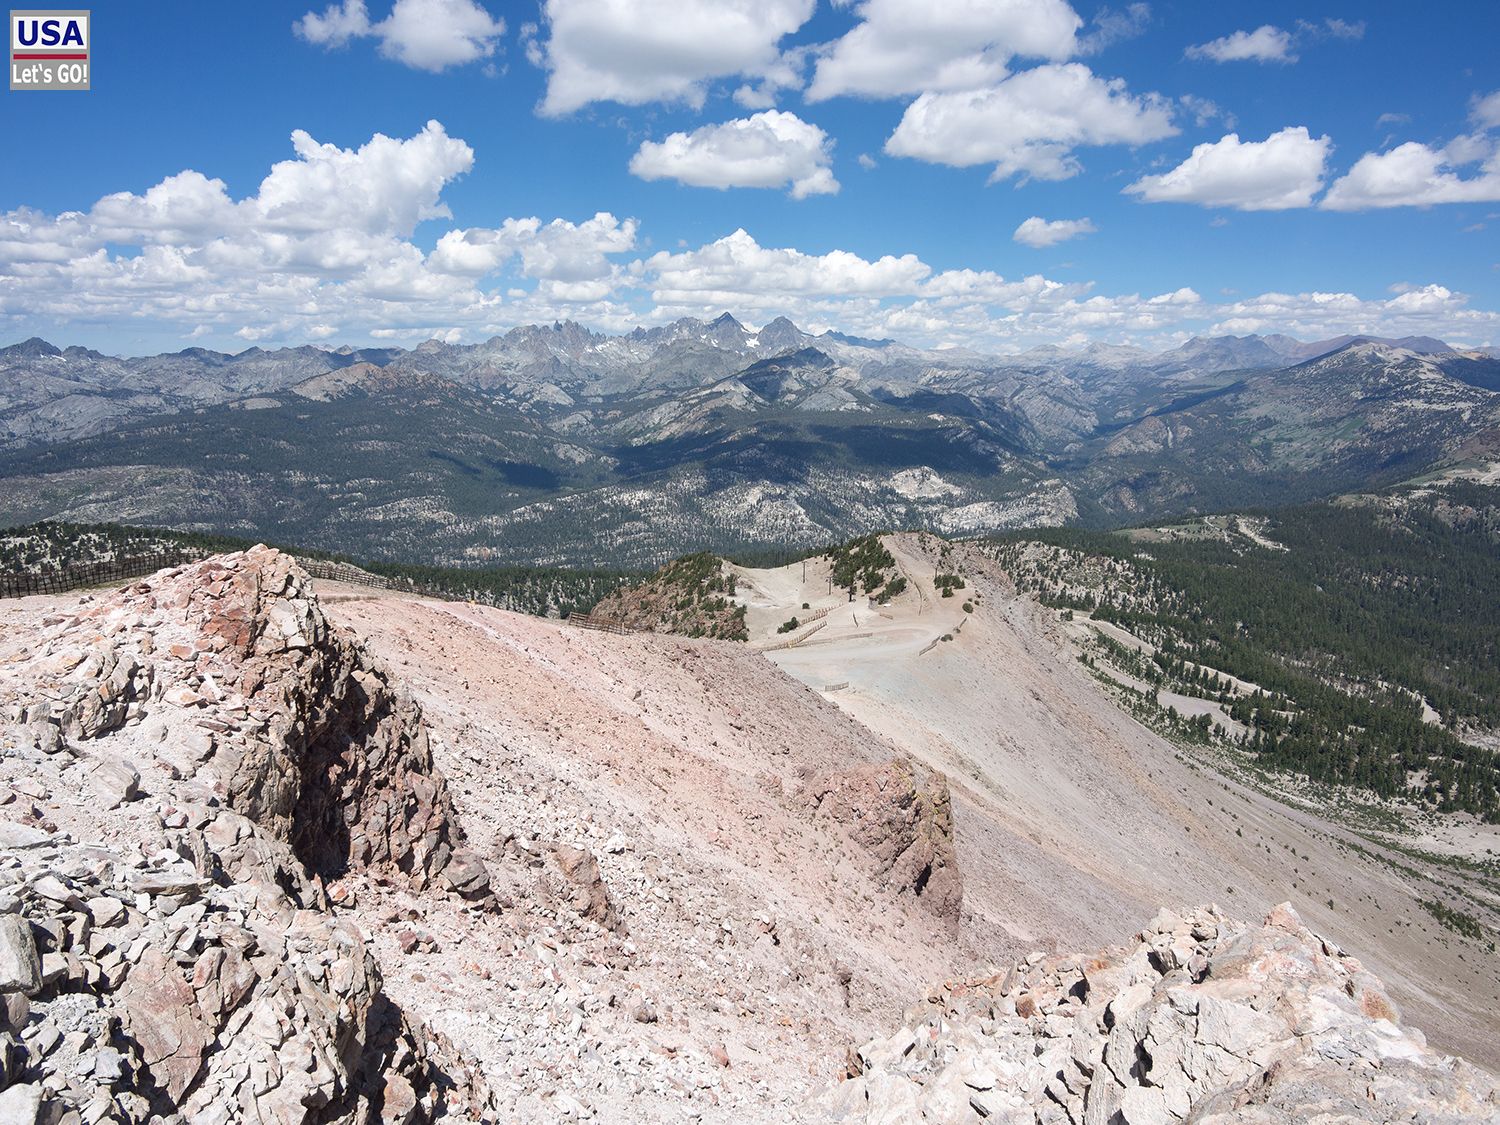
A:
[189,762]
[1202,1020]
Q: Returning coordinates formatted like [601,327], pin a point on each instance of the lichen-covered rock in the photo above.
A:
[903,817]
[1201,1020]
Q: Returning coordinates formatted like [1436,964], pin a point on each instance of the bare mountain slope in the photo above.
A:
[749,835]
[1072,821]
[705,882]
[1078,819]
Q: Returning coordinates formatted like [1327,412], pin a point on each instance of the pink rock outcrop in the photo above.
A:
[903,817]
[238,750]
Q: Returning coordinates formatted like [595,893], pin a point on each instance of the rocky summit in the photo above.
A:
[1202,1019]
[276,855]
[168,948]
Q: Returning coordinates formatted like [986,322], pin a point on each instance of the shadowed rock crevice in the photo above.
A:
[344,817]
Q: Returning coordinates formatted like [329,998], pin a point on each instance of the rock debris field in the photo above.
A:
[276,855]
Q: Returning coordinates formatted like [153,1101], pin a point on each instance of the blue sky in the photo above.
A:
[996,174]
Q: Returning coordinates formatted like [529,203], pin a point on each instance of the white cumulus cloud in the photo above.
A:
[909,46]
[559,251]
[1264,44]
[737,272]
[639,51]
[324,239]
[766,150]
[1031,123]
[327,246]
[1485,111]
[1465,170]
[1283,171]
[1039,232]
[425,34]
[1414,175]
[338,24]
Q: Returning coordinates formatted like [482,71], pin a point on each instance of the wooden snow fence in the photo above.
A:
[78,576]
[793,642]
[602,624]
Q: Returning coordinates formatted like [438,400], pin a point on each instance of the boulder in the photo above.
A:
[583,886]
[20,967]
[116,780]
[164,1019]
[21,1104]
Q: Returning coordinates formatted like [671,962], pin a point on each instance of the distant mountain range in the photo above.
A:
[558,444]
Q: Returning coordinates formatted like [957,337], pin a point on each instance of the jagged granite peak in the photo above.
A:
[562,337]
[33,348]
[781,335]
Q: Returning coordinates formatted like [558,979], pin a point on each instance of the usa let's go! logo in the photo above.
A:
[49,50]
